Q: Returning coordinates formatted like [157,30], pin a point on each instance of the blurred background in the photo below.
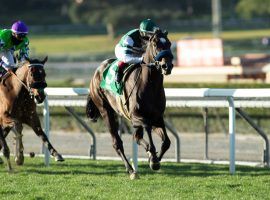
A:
[78,34]
[216,44]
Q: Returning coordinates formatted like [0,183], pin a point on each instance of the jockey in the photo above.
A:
[11,40]
[132,45]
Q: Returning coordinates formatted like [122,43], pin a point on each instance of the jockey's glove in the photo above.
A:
[154,64]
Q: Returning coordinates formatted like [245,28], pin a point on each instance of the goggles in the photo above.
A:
[20,35]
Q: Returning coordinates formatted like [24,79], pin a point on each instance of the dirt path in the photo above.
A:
[248,147]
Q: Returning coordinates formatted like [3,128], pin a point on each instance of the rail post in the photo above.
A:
[232,134]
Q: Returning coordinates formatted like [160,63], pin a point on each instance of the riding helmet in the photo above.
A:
[147,26]
[19,27]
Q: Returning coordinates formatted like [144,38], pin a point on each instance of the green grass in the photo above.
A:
[72,44]
[95,44]
[88,179]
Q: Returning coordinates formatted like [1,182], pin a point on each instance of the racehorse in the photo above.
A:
[18,93]
[142,103]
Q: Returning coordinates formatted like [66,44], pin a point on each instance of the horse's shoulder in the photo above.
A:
[132,69]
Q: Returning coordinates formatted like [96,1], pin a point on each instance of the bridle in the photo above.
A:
[157,56]
[27,85]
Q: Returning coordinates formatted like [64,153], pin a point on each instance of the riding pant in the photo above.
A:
[7,59]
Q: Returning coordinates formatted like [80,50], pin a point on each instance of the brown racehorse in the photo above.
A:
[18,93]
[143,102]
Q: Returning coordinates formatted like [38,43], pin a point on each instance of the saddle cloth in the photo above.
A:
[108,83]
[108,79]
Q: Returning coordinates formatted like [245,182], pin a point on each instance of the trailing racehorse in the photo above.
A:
[142,102]
[18,93]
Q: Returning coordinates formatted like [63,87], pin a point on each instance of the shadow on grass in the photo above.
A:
[97,167]
[206,170]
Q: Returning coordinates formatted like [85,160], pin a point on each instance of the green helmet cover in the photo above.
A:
[147,25]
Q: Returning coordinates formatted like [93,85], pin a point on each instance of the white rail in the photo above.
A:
[204,97]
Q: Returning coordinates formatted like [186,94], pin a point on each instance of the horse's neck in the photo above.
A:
[22,73]
[21,76]
[149,55]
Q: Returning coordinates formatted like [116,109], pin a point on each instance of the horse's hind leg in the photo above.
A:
[19,157]
[6,151]
[112,123]
[92,111]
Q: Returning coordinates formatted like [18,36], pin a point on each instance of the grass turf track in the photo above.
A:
[88,179]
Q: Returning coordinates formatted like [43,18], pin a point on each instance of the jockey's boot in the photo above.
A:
[118,76]
[120,71]
[4,75]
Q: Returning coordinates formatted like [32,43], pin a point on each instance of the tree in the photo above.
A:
[116,14]
[251,8]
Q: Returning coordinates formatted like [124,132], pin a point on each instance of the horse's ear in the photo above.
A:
[156,30]
[165,32]
[45,59]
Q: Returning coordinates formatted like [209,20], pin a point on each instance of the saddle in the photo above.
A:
[4,75]
[108,78]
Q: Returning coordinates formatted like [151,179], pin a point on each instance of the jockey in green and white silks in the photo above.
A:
[12,40]
[132,45]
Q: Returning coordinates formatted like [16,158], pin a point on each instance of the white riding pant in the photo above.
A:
[7,59]
[120,53]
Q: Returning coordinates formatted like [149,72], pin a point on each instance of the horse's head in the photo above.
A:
[158,52]
[36,78]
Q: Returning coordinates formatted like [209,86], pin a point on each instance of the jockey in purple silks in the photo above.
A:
[12,40]
[132,45]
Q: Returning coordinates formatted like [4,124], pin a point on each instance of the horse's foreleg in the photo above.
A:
[45,140]
[17,129]
[160,130]
[6,151]
[35,124]
[153,159]
[149,148]
[138,137]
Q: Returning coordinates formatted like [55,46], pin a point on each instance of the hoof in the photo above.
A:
[59,158]
[154,163]
[154,166]
[19,160]
[94,120]
[9,166]
[134,176]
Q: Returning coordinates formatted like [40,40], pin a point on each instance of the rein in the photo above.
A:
[26,87]
[137,78]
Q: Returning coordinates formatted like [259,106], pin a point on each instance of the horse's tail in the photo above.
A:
[92,111]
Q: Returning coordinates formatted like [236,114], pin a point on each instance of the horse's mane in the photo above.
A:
[34,61]
[20,64]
